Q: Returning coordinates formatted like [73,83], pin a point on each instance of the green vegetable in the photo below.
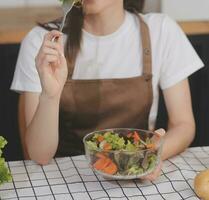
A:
[96,137]
[152,159]
[66,1]
[130,146]
[130,155]
[69,1]
[135,170]
[117,142]
[5,175]
[92,145]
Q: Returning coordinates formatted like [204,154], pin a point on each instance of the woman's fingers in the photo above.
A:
[51,35]
[155,174]
[51,64]
[160,132]
[50,43]
[49,60]
[157,137]
[62,56]
[50,51]
[58,46]
[53,45]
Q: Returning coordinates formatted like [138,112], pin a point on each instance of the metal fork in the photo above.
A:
[67,10]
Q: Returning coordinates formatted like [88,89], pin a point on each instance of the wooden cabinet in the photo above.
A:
[8,102]
[16,22]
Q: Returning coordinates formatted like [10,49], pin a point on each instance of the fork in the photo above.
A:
[66,11]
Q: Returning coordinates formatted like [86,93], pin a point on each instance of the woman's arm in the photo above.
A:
[41,114]
[42,110]
[181,125]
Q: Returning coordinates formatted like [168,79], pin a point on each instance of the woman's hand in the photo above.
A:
[51,65]
[157,172]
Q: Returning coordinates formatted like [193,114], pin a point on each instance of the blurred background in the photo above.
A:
[17,17]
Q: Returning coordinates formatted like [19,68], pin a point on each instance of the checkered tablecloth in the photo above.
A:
[71,178]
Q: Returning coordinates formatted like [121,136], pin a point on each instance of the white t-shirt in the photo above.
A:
[119,55]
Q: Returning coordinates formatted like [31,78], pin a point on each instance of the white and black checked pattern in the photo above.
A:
[70,178]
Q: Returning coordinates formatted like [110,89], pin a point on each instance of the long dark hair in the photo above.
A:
[74,21]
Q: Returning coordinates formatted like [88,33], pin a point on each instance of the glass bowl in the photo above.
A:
[123,153]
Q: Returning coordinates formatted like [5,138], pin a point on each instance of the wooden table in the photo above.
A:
[15,23]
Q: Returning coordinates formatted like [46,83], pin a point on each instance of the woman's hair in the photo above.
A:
[74,21]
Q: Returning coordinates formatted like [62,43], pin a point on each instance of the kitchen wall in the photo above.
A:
[153,5]
[20,3]
[183,10]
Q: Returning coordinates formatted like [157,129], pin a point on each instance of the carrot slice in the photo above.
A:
[150,146]
[100,155]
[107,146]
[136,137]
[111,168]
[100,138]
[101,163]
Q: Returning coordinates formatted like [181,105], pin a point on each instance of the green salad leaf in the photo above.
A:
[152,161]
[66,1]
[135,170]
[122,154]
[69,1]
[5,175]
[115,140]
[130,146]
[92,145]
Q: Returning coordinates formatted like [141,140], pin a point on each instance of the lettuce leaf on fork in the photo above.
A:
[5,175]
[66,1]
[69,1]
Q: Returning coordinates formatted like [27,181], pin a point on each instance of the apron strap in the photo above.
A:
[147,51]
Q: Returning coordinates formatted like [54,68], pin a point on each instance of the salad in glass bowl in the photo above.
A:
[122,153]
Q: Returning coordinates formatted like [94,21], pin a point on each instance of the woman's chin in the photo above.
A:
[91,10]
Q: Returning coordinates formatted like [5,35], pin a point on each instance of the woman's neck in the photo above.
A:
[104,23]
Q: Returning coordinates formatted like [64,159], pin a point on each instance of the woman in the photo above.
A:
[107,76]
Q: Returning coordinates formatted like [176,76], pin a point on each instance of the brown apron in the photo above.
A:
[88,105]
